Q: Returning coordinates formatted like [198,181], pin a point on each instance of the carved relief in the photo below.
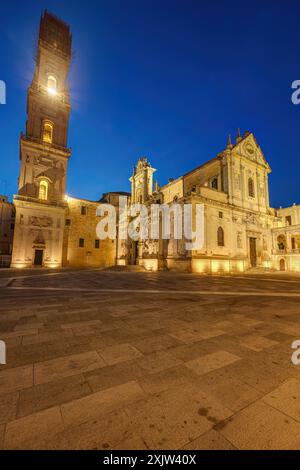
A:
[123,248]
[265,245]
[239,240]
[249,151]
[43,161]
[237,181]
[39,238]
[262,189]
[150,247]
[250,219]
[40,221]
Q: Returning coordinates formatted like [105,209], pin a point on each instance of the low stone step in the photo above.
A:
[128,268]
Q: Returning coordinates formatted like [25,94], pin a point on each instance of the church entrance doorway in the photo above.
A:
[253,255]
[282,264]
[38,258]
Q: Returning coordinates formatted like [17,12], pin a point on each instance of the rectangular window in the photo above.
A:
[288,220]
[81,242]
[83,210]
[97,243]
[68,221]
[220,215]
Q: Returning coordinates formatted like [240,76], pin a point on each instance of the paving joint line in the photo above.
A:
[160,291]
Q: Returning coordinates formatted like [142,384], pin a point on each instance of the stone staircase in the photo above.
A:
[260,270]
[129,268]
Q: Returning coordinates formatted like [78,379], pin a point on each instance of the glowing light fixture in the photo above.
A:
[20,266]
[52,85]
[51,91]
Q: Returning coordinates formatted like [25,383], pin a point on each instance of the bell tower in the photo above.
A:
[141,181]
[44,153]
[43,147]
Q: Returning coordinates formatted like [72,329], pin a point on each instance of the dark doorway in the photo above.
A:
[38,257]
[134,252]
[282,264]
[253,257]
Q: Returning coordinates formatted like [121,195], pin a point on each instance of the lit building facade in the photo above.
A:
[242,231]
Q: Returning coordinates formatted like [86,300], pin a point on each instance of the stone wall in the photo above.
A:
[83,226]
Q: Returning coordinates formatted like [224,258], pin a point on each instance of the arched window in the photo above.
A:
[293,243]
[214,183]
[51,84]
[282,265]
[139,196]
[47,132]
[281,242]
[43,190]
[251,187]
[220,236]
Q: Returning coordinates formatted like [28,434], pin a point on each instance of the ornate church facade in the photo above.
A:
[51,229]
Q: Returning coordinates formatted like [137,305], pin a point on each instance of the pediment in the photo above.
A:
[53,174]
[249,148]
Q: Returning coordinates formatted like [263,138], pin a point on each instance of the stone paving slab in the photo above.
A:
[209,362]
[119,353]
[285,398]
[53,393]
[171,418]
[28,431]
[55,369]
[15,379]
[105,432]
[100,403]
[2,430]
[261,427]
[8,407]
[210,440]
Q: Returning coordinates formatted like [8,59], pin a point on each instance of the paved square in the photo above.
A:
[132,360]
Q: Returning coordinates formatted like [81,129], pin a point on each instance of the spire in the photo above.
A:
[239,137]
[156,186]
[229,143]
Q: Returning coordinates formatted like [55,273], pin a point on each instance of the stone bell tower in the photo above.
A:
[40,203]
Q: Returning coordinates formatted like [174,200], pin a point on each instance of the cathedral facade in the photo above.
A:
[241,230]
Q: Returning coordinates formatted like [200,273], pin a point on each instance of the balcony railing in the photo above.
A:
[45,144]
[61,97]
[20,197]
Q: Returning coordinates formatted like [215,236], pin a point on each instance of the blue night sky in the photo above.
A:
[168,79]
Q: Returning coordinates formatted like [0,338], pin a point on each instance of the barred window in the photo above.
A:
[43,190]
[251,187]
[48,132]
[220,236]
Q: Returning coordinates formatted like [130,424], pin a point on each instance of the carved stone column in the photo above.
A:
[258,188]
[221,175]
